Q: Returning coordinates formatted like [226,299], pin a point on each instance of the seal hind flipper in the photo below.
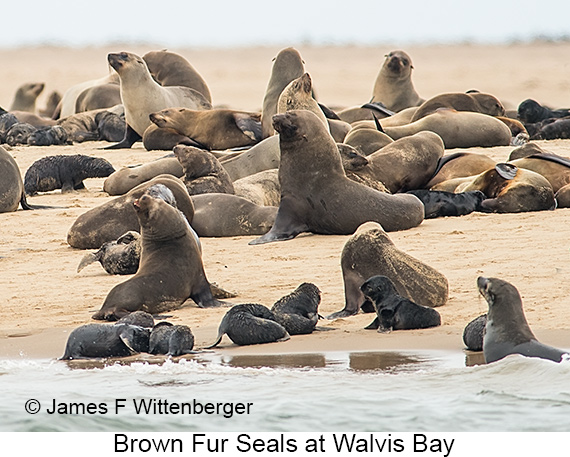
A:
[379,107]
[250,126]
[506,170]
[88,259]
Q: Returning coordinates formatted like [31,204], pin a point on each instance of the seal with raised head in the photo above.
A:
[65,172]
[316,194]
[171,340]
[250,324]
[120,257]
[298,94]
[394,312]
[170,270]
[26,96]
[142,95]
[507,330]
[370,252]
[298,311]
[104,340]
[203,173]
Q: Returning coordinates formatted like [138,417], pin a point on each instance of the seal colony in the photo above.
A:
[308,193]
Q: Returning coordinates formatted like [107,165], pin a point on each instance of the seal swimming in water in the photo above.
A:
[171,340]
[394,312]
[250,324]
[316,194]
[65,172]
[170,270]
[104,340]
[507,330]
[298,311]
[120,257]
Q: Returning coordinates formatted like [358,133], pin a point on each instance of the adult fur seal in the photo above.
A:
[394,312]
[370,252]
[26,96]
[171,340]
[317,196]
[142,95]
[104,340]
[250,324]
[120,257]
[287,66]
[475,101]
[298,94]
[507,330]
[298,311]
[65,172]
[213,129]
[393,86]
[460,165]
[170,270]
[553,167]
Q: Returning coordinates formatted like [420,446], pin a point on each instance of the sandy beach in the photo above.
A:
[43,297]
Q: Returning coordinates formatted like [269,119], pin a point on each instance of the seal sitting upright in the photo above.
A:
[170,269]
[507,331]
[316,194]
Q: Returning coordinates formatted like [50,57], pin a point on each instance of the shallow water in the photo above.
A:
[365,392]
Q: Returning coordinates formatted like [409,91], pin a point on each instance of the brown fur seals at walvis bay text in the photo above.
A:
[170,270]
[394,312]
[316,194]
[142,95]
[507,330]
[370,252]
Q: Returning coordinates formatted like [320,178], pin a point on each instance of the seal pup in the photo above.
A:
[298,311]
[103,340]
[370,252]
[171,340]
[142,95]
[48,136]
[170,270]
[474,332]
[394,312]
[393,86]
[287,66]
[507,330]
[552,129]
[19,133]
[439,203]
[530,111]
[120,257]
[250,324]
[140,318]
[316,194]
[65,172]
[212,129]
[26,96]
[475,101]
[7,120]
[203,173]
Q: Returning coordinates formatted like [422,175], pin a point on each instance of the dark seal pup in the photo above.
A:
[438,203]
[316,194]
[171,340]
[298,311]
[507,330]
[64,172]
[170,270]
[530,112]
[120,257]
[474,332]
[103,340]
[250,324]
[394,312]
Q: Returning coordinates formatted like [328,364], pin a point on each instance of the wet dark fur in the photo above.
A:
[440,203]
[473,333]
[172,340]
[298,311]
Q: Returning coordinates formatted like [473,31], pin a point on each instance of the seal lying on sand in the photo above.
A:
[507,331]
[171,340]
[103,340]
[298,311]
[250,324]
[439,203]
[394,312]
[120,257]
[64,172]
[170,271]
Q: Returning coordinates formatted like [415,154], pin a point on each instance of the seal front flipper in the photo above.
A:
[131,137]
[285,227]
[379,107]
[374,325]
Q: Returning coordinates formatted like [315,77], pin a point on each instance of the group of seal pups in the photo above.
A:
[361,171]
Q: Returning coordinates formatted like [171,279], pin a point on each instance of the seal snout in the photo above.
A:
[116,60]
[283,124]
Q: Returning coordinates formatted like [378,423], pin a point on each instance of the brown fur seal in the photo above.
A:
[475,101]
[287,66]
[171,69]
[67,104]
[367,140]
[26,96]
[263,156]
[553,167]
[458,129]
[317,196]
[110,220]
[98,97]
[203,173]
[370,252]
[230,215]
[511,190]
[393,86]
[261,188]
[142,95]
[298,94]
[212,129]
[126,178]
[525,150]
[170,269]
[460,165]
[507,330]
[51,105]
